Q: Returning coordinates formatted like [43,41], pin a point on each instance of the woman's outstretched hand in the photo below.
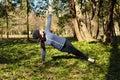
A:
[50,9]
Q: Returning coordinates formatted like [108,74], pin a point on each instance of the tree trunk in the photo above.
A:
[27,20]
[95,18]
[78,22]
[21,4]
[97,32]
[94,26]
[6,17]
[76,27]
[119,16]
[119,24]
[110,32]
[1,32]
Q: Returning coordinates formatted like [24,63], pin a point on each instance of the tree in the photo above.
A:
[2,15]
[110,32]
[6,4]
[27,2]
[80,27]
[117,13]
[6,7]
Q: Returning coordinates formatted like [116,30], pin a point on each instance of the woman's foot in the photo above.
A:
[91,60]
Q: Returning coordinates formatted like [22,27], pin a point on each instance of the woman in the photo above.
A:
[60,43]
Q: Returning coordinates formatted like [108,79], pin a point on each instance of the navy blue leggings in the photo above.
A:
[68,47]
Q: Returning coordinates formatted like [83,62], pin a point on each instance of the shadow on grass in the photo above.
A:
[114,63]
[11,41]
[64,57]
[9,59]
[57,61]
[6,57]
[10,53]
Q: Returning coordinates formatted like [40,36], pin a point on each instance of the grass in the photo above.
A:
[21,61]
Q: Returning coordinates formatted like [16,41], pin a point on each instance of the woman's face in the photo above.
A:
[41,32]
[42,36]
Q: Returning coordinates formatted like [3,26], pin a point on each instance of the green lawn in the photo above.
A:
[21,61]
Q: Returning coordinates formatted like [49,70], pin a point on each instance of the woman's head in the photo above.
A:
[39,35]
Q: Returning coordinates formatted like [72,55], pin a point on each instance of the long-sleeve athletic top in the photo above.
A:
[52,39]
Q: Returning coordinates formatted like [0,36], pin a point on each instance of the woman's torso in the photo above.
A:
[54,40]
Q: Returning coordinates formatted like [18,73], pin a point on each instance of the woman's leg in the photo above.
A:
[68,47]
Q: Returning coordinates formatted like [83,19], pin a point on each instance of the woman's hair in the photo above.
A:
[37,35]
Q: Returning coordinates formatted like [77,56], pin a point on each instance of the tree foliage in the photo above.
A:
[39,6]
[92,11]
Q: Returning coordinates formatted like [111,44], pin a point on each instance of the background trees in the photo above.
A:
[91,19]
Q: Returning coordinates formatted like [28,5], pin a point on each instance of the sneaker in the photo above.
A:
[91,60]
